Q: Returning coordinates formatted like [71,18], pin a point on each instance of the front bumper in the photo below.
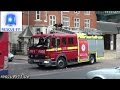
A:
[45,62]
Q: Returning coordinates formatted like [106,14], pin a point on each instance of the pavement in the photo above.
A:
[21,57]
[108,55]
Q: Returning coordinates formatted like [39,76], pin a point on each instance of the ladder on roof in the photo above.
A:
[85,31]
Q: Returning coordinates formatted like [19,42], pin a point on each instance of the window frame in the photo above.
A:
[66,21]
[37,15]
[52,20]
[87,23]
[75,22]
[87,12]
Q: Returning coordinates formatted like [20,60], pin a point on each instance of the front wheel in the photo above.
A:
[61,63]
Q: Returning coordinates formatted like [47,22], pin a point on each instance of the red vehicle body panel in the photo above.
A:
[3,51]
[83,44]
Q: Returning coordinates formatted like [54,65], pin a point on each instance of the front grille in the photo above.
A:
[37,56]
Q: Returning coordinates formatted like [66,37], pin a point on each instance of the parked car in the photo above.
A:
[10,57]
[105,73]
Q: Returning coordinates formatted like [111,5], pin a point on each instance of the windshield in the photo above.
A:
[41,42]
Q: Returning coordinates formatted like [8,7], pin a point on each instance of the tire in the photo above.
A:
[61,63]
[97,78]
[92,59]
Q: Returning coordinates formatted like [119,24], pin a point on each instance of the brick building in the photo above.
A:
[40,20]
[43,21]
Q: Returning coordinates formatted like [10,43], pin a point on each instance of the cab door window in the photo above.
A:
[70,40]
[55,42]
[63,41]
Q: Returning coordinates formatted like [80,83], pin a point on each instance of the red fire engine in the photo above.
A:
[64,49]
[3,53]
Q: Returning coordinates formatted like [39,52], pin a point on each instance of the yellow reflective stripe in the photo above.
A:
[59,48]
[50,49]
[54,49]
[75,47]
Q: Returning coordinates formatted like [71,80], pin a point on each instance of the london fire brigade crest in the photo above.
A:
[83,47]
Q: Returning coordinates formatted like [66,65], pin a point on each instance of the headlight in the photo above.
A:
[46,61]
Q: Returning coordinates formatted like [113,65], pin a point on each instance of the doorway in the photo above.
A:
[107,41]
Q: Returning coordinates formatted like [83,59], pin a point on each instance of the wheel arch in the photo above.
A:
[62,55]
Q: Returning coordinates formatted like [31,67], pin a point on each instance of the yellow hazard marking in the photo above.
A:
[99,58]
[81,60]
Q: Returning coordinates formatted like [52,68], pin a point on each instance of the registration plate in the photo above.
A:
[36,60]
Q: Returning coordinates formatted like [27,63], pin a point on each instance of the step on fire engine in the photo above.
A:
[65,49]
[3,53]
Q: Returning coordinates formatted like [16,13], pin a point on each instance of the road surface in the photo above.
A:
[18,67]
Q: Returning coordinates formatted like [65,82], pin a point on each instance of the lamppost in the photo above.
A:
[118,41]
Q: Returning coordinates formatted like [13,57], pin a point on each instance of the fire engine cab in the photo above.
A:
[3,53]
[65,49]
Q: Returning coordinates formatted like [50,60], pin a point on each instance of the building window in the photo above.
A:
[38,31]
[76,22]
[37,15]
[52,20]
[87,12]
[66,21]
[76,11]
[87,23]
